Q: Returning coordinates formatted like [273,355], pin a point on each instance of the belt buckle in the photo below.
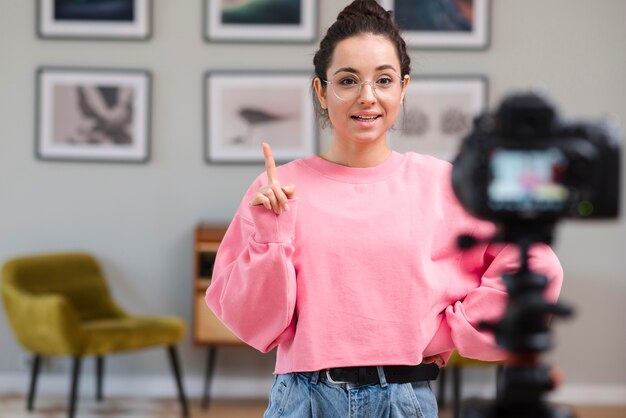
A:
[330,379]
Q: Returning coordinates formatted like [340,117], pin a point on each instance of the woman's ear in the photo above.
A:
[405,85]
[320,91]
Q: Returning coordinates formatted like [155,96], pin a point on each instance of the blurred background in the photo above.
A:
[139,219]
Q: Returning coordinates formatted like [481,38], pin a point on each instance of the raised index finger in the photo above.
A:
[270,164]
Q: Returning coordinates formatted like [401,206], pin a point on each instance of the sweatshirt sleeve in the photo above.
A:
[253,287]
[487,301]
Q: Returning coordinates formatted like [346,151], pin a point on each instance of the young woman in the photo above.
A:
[347,261]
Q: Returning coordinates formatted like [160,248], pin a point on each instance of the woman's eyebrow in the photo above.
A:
[385,67]
[355,71]
[346,70]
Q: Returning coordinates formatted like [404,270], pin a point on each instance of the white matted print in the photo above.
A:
[437,113]
[93,114]
[245,109]
[260,20]
[104,19]
[441,24]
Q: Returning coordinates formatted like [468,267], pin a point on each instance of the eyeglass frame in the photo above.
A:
[371,83]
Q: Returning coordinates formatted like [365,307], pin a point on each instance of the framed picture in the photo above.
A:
[94,19]
[440,24]
[260,20]
[438,112]
[93,114]
[244,109]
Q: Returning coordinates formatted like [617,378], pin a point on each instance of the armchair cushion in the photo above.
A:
[132,332]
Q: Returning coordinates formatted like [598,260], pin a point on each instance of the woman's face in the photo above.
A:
[362,114]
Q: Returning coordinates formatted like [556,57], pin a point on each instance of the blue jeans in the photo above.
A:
[312,395]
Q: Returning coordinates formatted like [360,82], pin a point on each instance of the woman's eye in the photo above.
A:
[348,82]
[384,81]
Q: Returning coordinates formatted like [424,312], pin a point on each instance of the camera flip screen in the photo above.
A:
[527,180]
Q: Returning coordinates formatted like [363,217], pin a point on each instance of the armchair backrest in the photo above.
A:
[75,276]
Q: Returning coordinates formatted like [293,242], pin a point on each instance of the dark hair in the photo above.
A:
[360,16]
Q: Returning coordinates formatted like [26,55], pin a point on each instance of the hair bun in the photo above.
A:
[365,8]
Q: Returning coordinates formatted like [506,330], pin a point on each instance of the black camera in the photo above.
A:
[523,164]
[524,169]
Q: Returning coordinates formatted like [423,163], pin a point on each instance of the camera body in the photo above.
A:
[522,164]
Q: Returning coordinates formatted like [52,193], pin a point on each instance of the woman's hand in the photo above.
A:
[437,359]
[273,196]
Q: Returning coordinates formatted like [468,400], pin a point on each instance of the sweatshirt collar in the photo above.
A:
[355,174]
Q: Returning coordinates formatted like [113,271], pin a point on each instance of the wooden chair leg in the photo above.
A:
[99,374]
[456,394]
[208,376]
[76,363]
[441,392]
[30,404]
[179,383]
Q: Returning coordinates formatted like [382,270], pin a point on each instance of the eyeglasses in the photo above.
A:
[348,86]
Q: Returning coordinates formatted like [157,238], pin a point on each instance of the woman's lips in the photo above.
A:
[365,120]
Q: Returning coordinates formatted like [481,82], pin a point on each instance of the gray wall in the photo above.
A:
[139,219]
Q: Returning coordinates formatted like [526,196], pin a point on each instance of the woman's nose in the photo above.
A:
[367,93]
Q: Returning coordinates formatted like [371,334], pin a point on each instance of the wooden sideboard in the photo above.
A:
[207,330]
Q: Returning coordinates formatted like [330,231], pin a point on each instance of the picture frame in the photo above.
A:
[243,109]
[101,19]
[437,24]
[438,111]
[278,21]
[91,114]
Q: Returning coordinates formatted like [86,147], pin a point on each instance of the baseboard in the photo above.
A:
[569,393]
[224,387]
[139,386]
[590,395]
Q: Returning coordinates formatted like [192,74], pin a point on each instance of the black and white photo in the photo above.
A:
[438,112]
[245,109]
[90,114]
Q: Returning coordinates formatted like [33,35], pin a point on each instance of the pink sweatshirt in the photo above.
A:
[364,268]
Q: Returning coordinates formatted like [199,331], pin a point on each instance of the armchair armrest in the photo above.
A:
[44,324]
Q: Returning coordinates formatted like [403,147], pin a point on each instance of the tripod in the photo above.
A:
[524,333]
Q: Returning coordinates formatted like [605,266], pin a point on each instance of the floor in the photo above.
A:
[14,406]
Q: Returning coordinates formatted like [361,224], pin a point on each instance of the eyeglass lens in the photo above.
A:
[348,86]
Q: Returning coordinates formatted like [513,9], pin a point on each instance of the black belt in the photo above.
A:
[393,374]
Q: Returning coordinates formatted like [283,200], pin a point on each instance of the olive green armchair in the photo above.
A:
[59,305]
